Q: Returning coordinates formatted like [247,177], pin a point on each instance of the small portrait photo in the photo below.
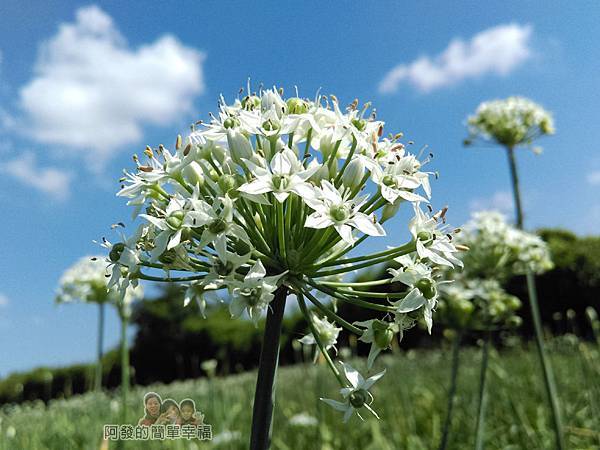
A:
[189,415]
[169,413]
[152,407]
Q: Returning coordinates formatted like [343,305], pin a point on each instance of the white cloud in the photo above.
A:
[3,300]
[50,180]
[496,50]
[91,93]
[500,201]
[593,178]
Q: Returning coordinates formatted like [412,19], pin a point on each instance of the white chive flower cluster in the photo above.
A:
[510,122]
[497,251]
[86,281]
[272,194]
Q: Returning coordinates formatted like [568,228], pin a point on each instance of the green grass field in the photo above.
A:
[411,400]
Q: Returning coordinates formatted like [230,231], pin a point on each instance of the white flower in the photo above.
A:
[357,396]
[255,293]
[422,288]
[431,240]
[400,177]
[284,175]
[331,208]
[327,333]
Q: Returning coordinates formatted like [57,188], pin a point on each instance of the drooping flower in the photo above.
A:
[357,395]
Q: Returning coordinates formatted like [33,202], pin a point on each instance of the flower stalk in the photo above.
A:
[452,390]
[482,399]
[264,396]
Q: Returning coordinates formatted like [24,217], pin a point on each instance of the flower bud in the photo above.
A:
[296,105]
[383,334]
[239,145]
[390,209]
[251,102]
[427,288]
[116,251]
[514,321]
[231,122]
[360,124]
[193,173]
[227,183]
[175,219]
[353,174]
[358,398]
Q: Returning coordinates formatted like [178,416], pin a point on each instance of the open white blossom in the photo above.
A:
[357,395]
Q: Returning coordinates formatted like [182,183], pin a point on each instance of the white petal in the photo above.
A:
[345,231]
[413,300]
[256,272]
[318,220]
[258,186]
[365,224]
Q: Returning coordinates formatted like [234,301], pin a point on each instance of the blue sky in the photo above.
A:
[83,86]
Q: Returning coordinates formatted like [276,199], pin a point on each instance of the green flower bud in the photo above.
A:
[389,180]
[424,236]
[280,182]
[227,183]
[250,102]
[193,173]
[390,209]
[175,219]
[270,125]
[427,288]
[358,398]
[297,106]
[116,251]
[217,226]
[383,334]
[231,122]
[360,124]
[514,321]
[513,303]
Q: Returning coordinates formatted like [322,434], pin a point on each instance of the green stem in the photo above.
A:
[535,313]
[480,429]
[98,380]
[391,253]
[124,367]
[351,300]
[452,391]
[262,413]
[545,363]
[330,314]
[515,185]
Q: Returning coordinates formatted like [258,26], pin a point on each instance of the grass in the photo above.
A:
[411,400]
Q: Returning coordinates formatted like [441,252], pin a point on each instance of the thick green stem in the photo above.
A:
[264,396]
[124,367]
[545,363]
[98,386]
[515,185]
[452,391]
[535,314]
[480,429]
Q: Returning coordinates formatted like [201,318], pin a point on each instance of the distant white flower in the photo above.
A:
[357,396]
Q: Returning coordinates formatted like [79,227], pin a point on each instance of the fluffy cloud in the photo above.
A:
[3,300]
[50,180]
[496,50]
[593,178]
[500,201]
[92,93]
